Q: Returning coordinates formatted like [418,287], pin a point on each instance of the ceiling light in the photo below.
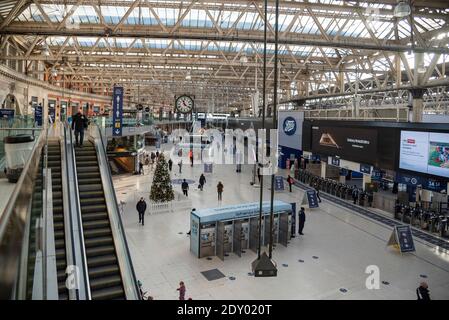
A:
[421,68]
[244,58]
[402,9]
[188,76]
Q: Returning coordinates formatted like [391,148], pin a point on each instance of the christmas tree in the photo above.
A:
[161,190]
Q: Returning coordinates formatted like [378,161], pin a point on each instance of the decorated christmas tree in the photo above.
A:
[161,190]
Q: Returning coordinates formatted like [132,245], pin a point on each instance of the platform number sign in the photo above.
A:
[117,116]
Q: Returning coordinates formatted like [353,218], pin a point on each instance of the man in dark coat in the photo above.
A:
[301,220]
[220,188]
[202,181]
[79,123]
[423,291]
[170,164]
[141,207]
[355,194]
[185,187]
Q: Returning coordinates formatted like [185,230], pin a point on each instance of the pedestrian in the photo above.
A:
[185,187]
[301,220]
[258,174]
[141,207]
[202,181]
[317,192]
[355,194]
[153,156]
[220,190]
[79,123]
[141,167]
[423,291]
[238,160]
[182,291]
[170,164]
[191,158]
[180,166]
[290,182]
[157,154]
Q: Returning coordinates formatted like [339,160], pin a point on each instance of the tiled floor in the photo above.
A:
[345,244]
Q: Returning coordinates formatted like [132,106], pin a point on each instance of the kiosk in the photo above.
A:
[217,231]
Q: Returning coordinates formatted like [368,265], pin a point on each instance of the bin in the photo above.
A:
[17,151]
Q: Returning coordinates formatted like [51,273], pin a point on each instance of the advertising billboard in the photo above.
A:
[425,152]
[354,144]
[290,129]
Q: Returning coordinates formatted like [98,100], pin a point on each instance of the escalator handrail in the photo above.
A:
[18,204]
[134,294]
[75,199]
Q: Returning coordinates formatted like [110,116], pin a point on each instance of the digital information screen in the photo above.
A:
[425,152]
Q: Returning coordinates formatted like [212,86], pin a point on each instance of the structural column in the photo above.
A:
[366,179]
[417,93]
[323,169]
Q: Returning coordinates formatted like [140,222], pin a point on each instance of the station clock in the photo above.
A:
[184,104]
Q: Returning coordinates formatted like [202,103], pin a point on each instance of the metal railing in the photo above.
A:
[14,223]
[121,246]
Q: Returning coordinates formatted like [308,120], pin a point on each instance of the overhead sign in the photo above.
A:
[290,129]
[6,113]
[402,237]
[38,115]
[117,111]
[278,183]
[335,162]
[293,231]
[365,168]
[312,199]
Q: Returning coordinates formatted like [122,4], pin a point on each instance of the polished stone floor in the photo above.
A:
[337,247]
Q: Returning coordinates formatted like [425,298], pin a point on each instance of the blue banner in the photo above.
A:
[278,183]
[312,198]
[6,113]
[38,115]
[117,111]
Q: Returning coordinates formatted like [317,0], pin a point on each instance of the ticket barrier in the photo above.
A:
[219,231]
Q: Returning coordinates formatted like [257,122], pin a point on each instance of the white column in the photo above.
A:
[323,169]
[366,179]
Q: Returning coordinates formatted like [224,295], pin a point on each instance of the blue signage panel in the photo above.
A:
[6,113]
[208,168]
[376,175]
[312,198]
[38,115]
[293,231]
[426,183]
[344,172]
[194,234]
[117,111]
[278,183]
[405,238]
[335,162]
[365,168]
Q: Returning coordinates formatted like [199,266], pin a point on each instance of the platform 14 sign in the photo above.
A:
[117,108]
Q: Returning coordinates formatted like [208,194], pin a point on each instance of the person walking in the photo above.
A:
[191,158]
[182,291]
[317,192]
[301,220]
[141,167]
[220,190]
[141,207]
[153,156]
[423,291]
[170,164]
[202,181]
[290,182]
[79,123]
[180,166]
[185,187]
[355,194]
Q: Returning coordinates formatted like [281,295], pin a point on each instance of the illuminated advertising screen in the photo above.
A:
[426,152]
[354,144]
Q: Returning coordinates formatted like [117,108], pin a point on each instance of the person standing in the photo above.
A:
[180,166]
[202,181]
[141,167]
[290,182]
[185,187]
[141,207]
[153,156]
[170,164]
[355,194]
[220,190]
[423,291]
[79,123]
[182,291]
[301,220]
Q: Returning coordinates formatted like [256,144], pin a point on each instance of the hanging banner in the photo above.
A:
[117,111]
[6,113]
[38,115]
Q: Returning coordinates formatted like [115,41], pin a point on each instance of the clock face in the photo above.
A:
[184,104]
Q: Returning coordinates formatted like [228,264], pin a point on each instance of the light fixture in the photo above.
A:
[188,76]
[244,58]
[402,9]
[421,68]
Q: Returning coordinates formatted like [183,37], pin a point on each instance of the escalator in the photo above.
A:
[102,263]
[54,163]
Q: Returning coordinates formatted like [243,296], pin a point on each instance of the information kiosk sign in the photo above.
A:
[312,198]
[402,237]
[117,112]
